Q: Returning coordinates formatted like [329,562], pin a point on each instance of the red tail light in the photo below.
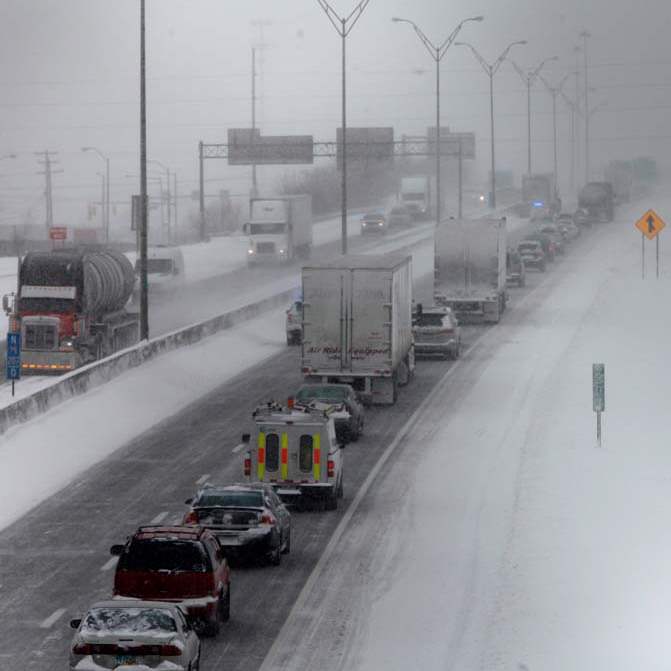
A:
[248,466]
[447,332]
[169,651]
[191,517]
[330,468]
[82,649]
[267,518]
[290,402]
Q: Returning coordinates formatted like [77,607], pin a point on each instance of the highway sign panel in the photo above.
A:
[366,144]
[452,144]
[650,224]
[246,146]
[58,233]
[598,387]
[13,367]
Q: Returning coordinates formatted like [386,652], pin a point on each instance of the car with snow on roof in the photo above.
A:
[249,520]
[134,634]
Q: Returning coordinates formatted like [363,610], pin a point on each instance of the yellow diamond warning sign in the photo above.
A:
[650,224]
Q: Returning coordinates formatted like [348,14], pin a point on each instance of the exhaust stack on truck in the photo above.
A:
[70,308]
[357,324]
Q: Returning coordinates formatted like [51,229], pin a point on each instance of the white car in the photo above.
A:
[133,634]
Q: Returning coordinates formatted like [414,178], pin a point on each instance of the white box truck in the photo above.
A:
[416,196]
[279,229]
[357,324]
[470,272]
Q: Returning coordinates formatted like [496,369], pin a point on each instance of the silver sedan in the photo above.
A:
[128,634]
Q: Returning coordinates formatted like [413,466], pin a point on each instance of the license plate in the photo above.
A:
[125,660]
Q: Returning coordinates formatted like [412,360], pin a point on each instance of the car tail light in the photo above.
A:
[446,331]
[191,517]
[169,651]
[82,649]
[330,468]
[290,402]
[267,518]
[248,465]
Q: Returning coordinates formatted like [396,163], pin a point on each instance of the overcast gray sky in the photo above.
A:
[69,78]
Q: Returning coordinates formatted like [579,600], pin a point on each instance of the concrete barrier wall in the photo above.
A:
[88,377]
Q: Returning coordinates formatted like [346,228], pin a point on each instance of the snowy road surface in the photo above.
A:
[498,536]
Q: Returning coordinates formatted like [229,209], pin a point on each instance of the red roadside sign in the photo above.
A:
[58,233]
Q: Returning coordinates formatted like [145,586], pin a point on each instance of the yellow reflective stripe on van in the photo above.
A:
[316,457]
[284,457]
[261,461]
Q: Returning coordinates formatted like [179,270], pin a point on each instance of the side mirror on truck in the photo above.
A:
[8,303]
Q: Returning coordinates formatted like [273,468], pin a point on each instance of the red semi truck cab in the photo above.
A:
[70,308]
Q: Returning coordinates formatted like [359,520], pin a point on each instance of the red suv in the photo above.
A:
[178,564]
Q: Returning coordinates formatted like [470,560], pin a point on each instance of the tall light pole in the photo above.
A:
[554,92]
[490,70]
[437,52]
[529,77]
[343,26]
[106,200]
[584,34]
[144,296]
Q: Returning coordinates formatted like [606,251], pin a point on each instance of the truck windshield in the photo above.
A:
[267,229]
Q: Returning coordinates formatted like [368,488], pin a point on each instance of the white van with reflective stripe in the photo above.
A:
[295,450]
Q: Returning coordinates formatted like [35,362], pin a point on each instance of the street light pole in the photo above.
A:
[529,77]
[167,191]
[106,194]
[343,26]
[490,70]
[144,297]
[584,34]
[554,92]
[437,52]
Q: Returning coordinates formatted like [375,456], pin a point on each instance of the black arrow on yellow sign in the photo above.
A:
[651,224]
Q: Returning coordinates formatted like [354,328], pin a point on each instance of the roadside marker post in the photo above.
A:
[13,358]
[650,225]
[598,395]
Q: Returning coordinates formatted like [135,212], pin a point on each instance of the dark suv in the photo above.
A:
[178,564]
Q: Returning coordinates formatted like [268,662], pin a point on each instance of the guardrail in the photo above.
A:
[99,372]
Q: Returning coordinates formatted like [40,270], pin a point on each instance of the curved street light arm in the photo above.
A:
[485,66]
[340,23]
[523,75]
[536,72]
[504,54]
[453,35]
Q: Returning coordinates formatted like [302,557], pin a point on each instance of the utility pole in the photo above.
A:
[174,237]
[48,163]
[584,34]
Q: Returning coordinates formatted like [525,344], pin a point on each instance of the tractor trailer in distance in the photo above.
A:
[470,272]
[279,229]
[70,308]
[357,324]
[416,196]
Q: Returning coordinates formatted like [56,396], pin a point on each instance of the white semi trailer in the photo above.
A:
[470,268]
[357,324]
